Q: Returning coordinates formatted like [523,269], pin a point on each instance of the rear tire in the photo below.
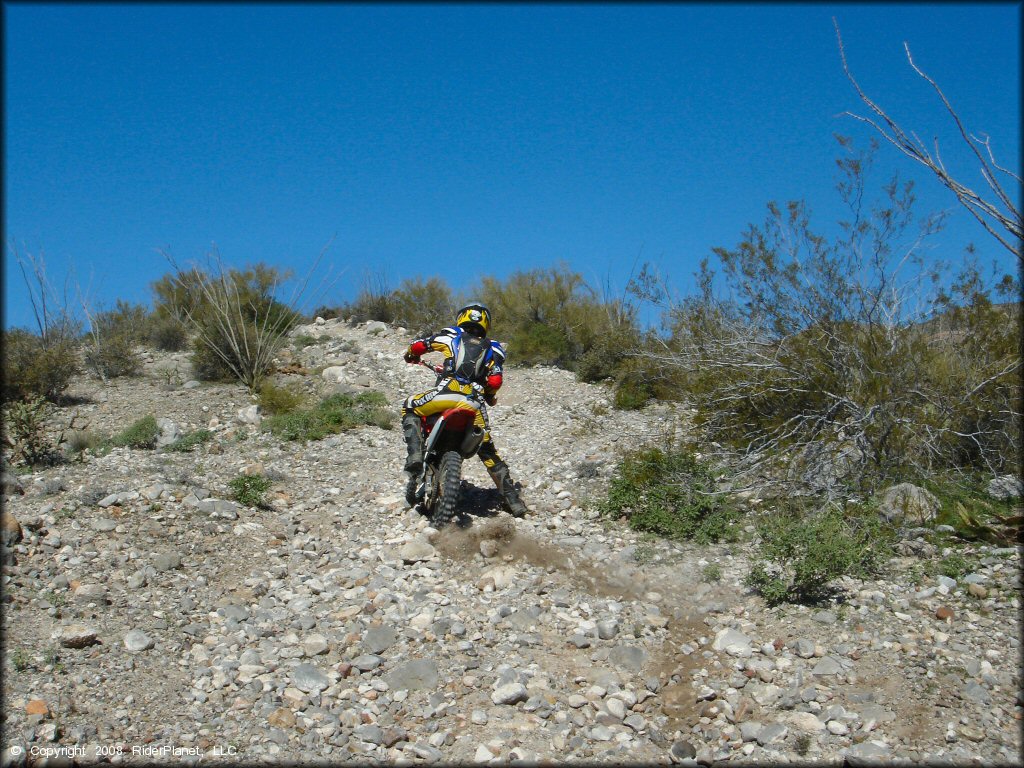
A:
[449,481]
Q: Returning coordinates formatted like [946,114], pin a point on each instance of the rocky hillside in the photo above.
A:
[150,618]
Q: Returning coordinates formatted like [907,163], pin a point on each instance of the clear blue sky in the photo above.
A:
[460,140]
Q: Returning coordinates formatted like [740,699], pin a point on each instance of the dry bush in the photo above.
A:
[239,324]
[839,365]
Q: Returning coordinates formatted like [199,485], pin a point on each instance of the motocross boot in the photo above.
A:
[413,443]
[509,493]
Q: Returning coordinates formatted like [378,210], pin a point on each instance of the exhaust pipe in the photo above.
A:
[471,441]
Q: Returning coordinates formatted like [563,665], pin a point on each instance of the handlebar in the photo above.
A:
[439,369]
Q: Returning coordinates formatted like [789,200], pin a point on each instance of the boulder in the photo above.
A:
[910,503]
[169,432]
[1005,487]
[11,484]
[11,529]
[334,374]
[250,415]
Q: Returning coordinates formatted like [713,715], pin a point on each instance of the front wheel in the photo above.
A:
[449,479]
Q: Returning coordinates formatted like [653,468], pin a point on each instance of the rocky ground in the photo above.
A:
[150,619]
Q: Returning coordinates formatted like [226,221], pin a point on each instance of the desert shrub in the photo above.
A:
[78,441]
[112,355]
[207,360]
[327,313]
[34,366]
[632,392]
[374,301]
[955,566]
[126,319]
[167,333]
[423,306]
[141,434]
[190,441]
[275,400]
[711,573]
[238,323]
[304,340]
[25,431]
[841,355]
[418,304]
[250,490]
[670,493]
[41,363]
[554,317]
[798,553]
[333,414]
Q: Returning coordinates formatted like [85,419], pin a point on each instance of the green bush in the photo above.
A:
[276,400]
[671,494]
[423,306]
[554,317]
[110,356]
[632,393]
[239,324]
[420,305]
[324,311]
[25,422]
[849,350]
[34,366]
[191,440]
[304,340]
[78,441]
[167,333]
[955,566]
[129,320]
[250,490]
[333,414]
[798,554]
[209,364]
[141,434]
[711,573]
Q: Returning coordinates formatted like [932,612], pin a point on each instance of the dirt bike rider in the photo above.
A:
[469,357]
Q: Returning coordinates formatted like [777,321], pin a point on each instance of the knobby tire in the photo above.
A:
[449,479]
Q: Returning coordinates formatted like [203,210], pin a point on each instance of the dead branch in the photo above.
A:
[993,216]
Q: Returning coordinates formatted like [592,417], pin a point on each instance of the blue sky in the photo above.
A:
[461,140]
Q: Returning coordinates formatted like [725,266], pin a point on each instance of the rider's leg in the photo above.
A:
[498,470]
[413,442]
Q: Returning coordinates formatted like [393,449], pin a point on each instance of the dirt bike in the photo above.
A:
[450,437]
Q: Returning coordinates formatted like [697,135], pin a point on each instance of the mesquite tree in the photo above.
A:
[834,364]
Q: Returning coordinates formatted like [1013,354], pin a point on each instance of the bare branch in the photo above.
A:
[994,216]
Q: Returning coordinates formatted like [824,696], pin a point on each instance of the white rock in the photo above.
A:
[803,721]
[250,415]
[483,755]
[334,374]
[732,641]
[510,693]
[137,641]
[837,728]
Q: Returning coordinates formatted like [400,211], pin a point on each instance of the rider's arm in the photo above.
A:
[436,342]
[494,373]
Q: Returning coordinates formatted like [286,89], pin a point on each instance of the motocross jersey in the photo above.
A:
[467,358]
